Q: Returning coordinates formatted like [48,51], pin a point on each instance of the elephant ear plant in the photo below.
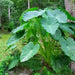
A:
[44,31]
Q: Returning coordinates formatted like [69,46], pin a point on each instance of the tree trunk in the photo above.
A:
[73,10]
[9,12]
[0,16]
[0,19]
[68,6]
[2,25]
[28,4]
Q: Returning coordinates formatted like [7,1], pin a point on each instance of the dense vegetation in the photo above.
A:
[10,10]
[41,39]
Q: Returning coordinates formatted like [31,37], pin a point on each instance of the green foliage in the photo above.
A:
[5,3]
[45,71]
[11,25]
[32,9]
[32,14]
[3,68]
[37,74]
[17,7]
[47,3]
[13,63]
[59,15]
[35,63]
[65,27]
[0,24]
[29,51]
[20,28]
[58,63]
[56,20]
[68,46]
[66,71]
[50,25]
[57,35]
[40,26]
[15,59]
[16,37]
[69,16]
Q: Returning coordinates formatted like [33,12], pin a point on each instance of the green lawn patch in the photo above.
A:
[3,46]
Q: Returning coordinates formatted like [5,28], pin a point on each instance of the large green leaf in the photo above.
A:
[69,16]
[58,14]
[14,63]
[18,29]
[29,51]
[71,25]
[49,13]
[31,9]
[59,62]
[57,35]
[67,28]
[50,24]
[68,46]
[16,37]
[32,14]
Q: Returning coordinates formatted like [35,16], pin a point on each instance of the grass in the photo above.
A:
[4,36]
[3,46]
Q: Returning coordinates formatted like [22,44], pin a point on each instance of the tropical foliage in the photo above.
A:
[45,28]
[42,40]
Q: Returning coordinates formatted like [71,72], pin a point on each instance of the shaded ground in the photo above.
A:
[19,72]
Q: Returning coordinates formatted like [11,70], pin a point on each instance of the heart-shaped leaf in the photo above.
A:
[68,46]
[16,37]
[13,63]
[31,9]
[32,14]
[50,24]
[58,14]
[29,51]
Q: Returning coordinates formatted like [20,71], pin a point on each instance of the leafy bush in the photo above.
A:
[34,64]
[3,68]
[47,28]
[11,25]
